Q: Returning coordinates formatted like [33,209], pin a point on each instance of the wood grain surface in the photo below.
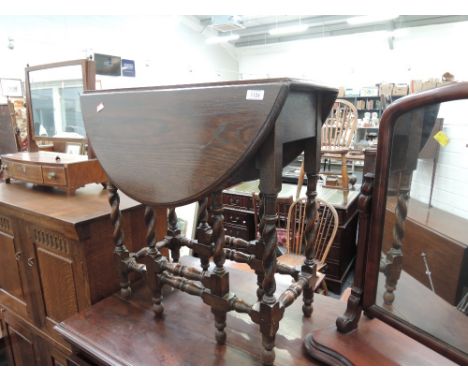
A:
[171,145]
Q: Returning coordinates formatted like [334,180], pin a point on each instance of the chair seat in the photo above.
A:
[333,150]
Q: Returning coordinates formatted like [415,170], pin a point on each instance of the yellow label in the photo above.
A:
[442,138]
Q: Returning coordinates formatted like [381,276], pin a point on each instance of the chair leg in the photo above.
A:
[344,173]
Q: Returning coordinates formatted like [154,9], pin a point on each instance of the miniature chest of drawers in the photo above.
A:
[61,170]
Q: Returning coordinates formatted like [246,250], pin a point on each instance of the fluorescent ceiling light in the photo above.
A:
[369,19]
[220,39]
[289,30]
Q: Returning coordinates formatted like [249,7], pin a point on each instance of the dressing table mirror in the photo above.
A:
[55,119]
[411,275]
[53,95]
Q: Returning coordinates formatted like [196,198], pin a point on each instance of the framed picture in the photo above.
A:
[11,87]
[74,148]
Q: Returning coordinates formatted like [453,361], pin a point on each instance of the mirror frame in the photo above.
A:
[450,92]
[88,71]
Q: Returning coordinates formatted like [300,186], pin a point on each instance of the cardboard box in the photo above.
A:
[429,84]
[352,92]
[369,91]
[400,90]
[416,86]
[385,89]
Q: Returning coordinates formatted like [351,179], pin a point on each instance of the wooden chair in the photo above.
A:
[337,135]
[326,225]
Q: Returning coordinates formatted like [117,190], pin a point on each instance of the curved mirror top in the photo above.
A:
[424,259]
[55,102]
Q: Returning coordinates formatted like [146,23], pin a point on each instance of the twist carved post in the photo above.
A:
[120,250]
[310,231]
[270,311]
[172,232]
[219,277]
[392,264]
[269,239]
[203,227]
[154,270]
[261,225]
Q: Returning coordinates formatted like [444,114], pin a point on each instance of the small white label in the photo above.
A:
[256,95]
[100,107]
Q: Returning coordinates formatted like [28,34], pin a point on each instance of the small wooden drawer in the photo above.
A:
[233,200]
[27,172]
[54,175]
[237,231]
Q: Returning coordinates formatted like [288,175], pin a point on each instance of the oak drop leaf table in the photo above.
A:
[173,145]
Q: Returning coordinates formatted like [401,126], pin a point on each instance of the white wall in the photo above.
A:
[451,178]
[165,49]
[364,59]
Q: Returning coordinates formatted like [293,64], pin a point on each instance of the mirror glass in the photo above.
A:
[423,277]
[55,102]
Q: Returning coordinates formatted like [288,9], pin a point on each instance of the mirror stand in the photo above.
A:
[419,325]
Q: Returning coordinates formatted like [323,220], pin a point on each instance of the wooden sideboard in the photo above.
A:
[60,170]
[117,331]
[56,255]
[239,221]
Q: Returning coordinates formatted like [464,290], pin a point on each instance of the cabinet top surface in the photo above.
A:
[46,157]
[88,203]
[172,145]
[332,195]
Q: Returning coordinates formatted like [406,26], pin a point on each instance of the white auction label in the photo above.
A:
[100,107]
[256,95]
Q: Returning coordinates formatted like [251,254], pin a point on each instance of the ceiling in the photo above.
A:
[255,29]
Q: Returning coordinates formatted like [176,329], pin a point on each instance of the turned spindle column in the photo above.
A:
[310,231]
[203,229]
[393,262]
[219,278]
[126,261]
[261,225]
[154,268]
[269,306]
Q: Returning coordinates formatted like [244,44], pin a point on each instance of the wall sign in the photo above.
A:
[128,68]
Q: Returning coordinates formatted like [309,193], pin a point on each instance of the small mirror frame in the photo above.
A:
[88,70]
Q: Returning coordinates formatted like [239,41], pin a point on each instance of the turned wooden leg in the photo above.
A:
[154,269]
[344,173]
[260,291]
[268,354]
[269,308]
[120,250]
[393,261]
[219,276]
[310,233]
[203,229]
[220,324]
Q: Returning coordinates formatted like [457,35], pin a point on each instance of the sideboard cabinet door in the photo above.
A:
[12,270]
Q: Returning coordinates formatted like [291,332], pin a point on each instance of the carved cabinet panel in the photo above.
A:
[56,259]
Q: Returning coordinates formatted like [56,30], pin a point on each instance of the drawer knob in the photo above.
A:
[51,175]
[31,262]
[18,256]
